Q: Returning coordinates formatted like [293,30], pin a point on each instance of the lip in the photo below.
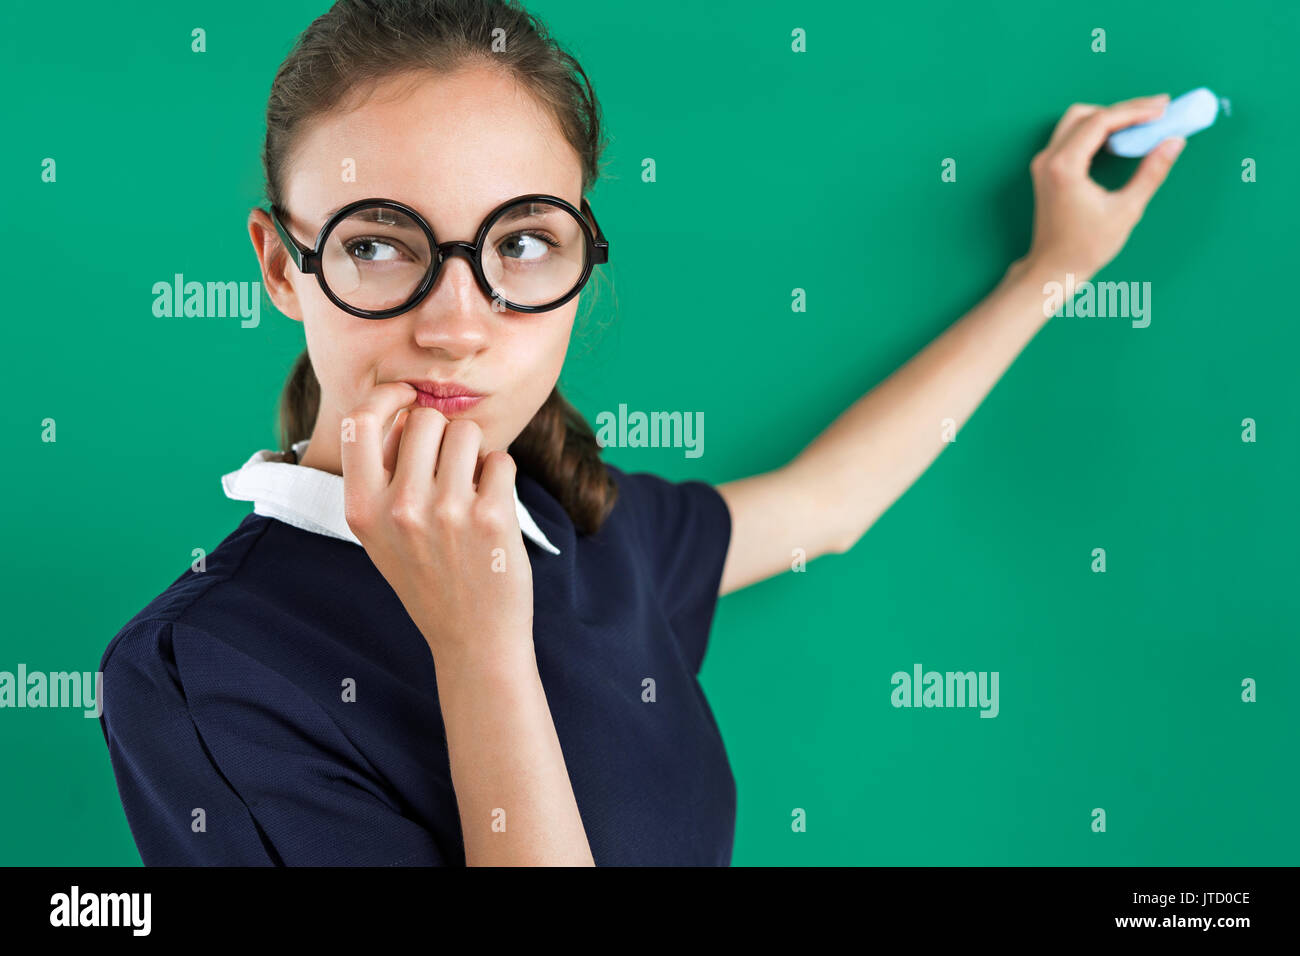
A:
[443,389]
[447,397]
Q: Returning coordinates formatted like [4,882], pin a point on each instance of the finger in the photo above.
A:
[393,441]
[458,459]
[417,457]
[497,477]
[1070,118]
[1151,173]
[1081,144]
[361,443]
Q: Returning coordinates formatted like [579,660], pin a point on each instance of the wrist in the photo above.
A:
[1026,290]
[1030,271]
[511,658]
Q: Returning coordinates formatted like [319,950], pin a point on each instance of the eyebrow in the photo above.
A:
[379,214]
[372,214]
[525,211]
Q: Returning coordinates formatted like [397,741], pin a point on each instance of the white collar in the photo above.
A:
[311,499]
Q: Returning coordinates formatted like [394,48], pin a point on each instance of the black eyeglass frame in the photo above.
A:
[308,258]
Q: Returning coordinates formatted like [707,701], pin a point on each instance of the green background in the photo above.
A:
[818,171]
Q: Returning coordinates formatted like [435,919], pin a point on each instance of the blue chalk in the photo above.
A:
[1188,114]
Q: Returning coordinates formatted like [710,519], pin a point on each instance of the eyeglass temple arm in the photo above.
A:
[602,245]
[302,256]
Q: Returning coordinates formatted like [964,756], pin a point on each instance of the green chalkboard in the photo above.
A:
[819,170]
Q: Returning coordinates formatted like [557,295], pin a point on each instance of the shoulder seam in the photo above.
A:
[173,616]
[266,526]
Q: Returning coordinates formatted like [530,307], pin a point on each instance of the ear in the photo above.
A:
[276,264]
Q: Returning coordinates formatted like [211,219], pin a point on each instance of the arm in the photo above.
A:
[834,490]
[506,762]
[453,553]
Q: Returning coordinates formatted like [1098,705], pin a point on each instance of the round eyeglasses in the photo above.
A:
[376,258]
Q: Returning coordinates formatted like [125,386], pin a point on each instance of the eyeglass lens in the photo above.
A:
[376,258]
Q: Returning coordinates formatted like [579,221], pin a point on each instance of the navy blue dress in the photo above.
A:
[225,695]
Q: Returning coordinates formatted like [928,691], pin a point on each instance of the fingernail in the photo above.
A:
[1174,146]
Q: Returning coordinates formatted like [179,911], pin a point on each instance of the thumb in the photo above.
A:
[1155,167]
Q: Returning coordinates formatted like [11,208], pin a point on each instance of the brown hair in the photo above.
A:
[361,42]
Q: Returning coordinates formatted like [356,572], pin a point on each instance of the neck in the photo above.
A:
[324,453]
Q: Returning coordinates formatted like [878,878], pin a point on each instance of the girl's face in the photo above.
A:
[453,148]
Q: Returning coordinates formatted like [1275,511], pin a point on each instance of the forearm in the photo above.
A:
[875,450]
[512,787]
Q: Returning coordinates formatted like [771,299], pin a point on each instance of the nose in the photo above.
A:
[453,315]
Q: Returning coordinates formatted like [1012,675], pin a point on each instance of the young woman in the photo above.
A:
[450,633]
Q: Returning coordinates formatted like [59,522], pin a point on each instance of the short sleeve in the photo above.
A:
[220,761]
[685,528]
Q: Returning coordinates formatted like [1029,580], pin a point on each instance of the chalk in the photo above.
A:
[1188,114]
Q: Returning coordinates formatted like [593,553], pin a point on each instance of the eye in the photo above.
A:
[370,249]
[517,246]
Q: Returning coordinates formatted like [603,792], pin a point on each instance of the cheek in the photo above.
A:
[344,349]
[536,352]
[532,356]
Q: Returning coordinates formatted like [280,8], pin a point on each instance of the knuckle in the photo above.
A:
[466,425]
[356,512]
[1056,167]
[447,514]
[502,459]
[363,418]
[492,514]
[405,512]
[426,413]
